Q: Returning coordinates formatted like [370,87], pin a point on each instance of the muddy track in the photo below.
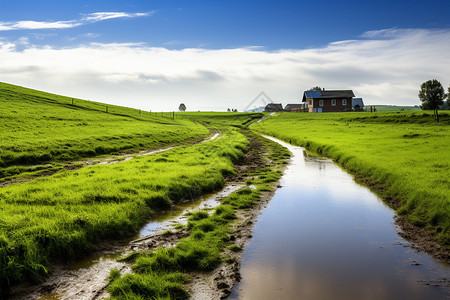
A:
[105,160]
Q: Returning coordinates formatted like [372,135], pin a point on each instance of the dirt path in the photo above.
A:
[105,160]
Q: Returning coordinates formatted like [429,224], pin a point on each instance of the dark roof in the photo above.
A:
[327,94]
[274,106]
[357,101]
[293,106]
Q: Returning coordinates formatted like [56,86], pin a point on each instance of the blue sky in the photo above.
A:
[217,54]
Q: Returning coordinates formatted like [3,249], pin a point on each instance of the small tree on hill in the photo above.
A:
[182,107]
[432,95]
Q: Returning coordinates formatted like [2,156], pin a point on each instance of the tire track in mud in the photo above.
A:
[109,160]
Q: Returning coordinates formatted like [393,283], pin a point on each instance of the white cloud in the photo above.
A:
[100,16]
[6,26]
[379,69]
[89,18]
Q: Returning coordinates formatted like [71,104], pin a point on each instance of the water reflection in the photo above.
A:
[325,237]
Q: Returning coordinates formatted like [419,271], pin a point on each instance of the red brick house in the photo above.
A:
[328,101]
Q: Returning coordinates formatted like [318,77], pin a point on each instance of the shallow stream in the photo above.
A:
[323,236]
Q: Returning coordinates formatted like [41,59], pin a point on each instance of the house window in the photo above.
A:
[310,102]
[321,103]
[344,102]
[333,102]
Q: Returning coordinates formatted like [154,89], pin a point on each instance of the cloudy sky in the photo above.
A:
[214,55]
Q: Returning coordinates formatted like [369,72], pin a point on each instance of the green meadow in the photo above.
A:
[66,214]
[221,119]
[402,155]
[40,128]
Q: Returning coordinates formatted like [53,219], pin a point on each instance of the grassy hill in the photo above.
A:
[39,128]
[63,215]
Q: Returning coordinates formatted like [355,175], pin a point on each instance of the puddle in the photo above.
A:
[177,215]
[323,236]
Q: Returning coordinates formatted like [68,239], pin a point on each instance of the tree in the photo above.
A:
[448,95]
[316,88]
[182,107]
[432,95]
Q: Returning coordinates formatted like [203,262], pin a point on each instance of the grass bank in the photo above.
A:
[64,215]
[403,155]
[162,274]
[39,128]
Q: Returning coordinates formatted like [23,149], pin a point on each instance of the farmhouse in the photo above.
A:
[294,107]
[273,107]
[328,101]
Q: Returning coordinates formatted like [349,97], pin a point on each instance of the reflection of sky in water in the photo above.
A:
[177,214]
[323,236]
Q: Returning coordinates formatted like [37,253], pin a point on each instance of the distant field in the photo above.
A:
[235,119]
[38,128]
[393,107]
[405,154]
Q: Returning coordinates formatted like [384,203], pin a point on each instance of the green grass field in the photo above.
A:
[64,214]
[221,119]
[39,128]
[405,154]
[393,108]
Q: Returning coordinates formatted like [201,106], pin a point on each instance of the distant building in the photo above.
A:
[294,107]
[328,101]
[357,104]
[273,107]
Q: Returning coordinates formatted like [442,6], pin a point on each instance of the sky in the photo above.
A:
[214,55]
